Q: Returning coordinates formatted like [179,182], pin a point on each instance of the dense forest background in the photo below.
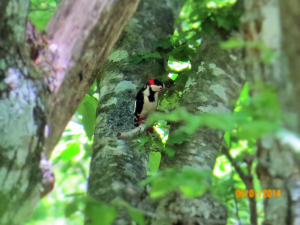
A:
[226,144]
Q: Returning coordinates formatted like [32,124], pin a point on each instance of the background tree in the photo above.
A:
[116,166]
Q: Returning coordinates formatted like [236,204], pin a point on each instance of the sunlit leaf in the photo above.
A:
[154,161]
[155,55]
[99,213]
[89,118]
[136,215]
[71,208]
[188,181]
[72,150]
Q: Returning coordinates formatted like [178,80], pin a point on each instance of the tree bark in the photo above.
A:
[116,166]
[289,18]
[28,111]
[82,44]
[214,84]
[277,167]
[22,118]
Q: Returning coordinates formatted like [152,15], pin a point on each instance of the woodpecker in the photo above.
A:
[146,100]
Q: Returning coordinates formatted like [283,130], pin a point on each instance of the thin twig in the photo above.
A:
[248,181]
[132,133]
[236,206]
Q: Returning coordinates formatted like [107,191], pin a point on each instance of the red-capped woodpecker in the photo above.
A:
[146,100]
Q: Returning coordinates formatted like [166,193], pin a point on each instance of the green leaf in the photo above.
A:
[193,189]
[222,167]
[71,208]
[143,140]
[136,215]
[190,181]
[183,53]
[41,11]
[90,99]
[135,59]
[92,89]
[89,118]
[178,137]
[155,55]
[165,43]
[170,152]
[99,213]
[72,150]
[154,161]
[232,43]
[267,55]
[227,138]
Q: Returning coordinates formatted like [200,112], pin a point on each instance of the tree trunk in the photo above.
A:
[214,84]
[22,118]
[277,168]
[27,113]
[289,18]
[116,166]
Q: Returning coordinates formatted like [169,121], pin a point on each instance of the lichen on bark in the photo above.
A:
[116,166]
[214,84]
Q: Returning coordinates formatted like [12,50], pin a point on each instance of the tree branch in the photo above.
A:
[78,45]
[132,133]
[248,181]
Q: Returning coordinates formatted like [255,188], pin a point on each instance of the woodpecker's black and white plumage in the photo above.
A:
[146,100]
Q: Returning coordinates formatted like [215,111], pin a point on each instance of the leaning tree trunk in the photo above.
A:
[277,168]
[116,166]
[35,95]
[289,18]
[213,85]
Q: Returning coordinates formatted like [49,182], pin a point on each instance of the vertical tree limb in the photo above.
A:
[289,19]
[117,166]
[214,84]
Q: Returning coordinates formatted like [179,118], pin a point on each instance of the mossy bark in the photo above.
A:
[213,86]
[116,166]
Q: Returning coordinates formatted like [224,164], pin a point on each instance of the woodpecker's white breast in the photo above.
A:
[149,106]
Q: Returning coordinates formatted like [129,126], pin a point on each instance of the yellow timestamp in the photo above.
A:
[265,193]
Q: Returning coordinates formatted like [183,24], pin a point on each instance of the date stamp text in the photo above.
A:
[251,193]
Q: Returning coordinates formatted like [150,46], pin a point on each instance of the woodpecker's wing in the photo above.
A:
[138,105]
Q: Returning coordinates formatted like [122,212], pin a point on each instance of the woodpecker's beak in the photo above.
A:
[163,87]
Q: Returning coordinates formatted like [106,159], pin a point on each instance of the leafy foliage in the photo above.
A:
[135,214]
[267,54]
[99,213]
[41,11]
[253,120]
[190,181]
